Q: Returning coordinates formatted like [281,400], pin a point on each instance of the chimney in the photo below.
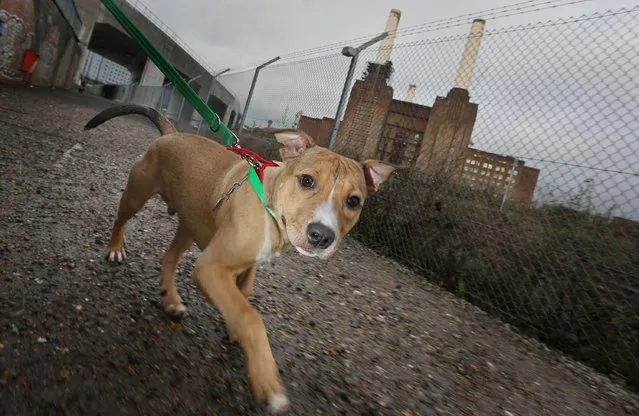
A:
[410,94]
[386,45]
[469,59]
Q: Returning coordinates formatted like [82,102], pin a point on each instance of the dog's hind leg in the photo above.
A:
[141,186]
[170,297]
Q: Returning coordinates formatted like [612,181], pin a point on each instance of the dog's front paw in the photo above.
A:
[266,385]
[278,403]
[176,311]
[114,254]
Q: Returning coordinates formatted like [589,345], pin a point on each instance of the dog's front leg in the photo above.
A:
[216,281]
[244,282]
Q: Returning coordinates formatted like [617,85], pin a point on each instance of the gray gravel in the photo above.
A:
[356,334]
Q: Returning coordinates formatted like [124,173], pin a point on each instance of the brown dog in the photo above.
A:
[316,195]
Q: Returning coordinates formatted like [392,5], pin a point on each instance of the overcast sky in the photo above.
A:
[555,96]
[234,34]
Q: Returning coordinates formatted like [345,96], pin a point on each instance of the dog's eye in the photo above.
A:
[353,202]
[307,181]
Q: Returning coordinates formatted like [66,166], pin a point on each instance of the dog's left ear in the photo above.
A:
[296,141]
[376,173]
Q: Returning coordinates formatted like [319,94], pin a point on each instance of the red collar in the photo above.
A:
[247,154]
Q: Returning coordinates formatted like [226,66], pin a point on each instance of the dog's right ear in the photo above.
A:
[295,142]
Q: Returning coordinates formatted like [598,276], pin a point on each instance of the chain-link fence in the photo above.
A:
[520,182]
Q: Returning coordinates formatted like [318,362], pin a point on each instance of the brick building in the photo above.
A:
[359,132]
[318,128]
[501,174]
[403,132]
[447,134]
[433,141]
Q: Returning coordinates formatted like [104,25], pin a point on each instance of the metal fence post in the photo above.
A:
[354,54]
[250,94]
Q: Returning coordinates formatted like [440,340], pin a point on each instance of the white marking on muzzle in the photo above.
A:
[325,214]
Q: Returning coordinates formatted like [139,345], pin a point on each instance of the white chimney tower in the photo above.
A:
[410,94]
[469,59]
[386,45]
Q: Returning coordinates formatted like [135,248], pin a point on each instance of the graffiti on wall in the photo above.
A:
[36,25]
[18,19]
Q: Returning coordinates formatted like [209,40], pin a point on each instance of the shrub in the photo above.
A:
[563,276]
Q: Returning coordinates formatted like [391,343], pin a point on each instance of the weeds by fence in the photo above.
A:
[520,192]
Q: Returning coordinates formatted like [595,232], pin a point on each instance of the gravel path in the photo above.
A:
[356,334]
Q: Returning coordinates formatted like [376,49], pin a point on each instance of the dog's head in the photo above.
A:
[321,194]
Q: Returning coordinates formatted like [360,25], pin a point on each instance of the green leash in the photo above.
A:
[212,119]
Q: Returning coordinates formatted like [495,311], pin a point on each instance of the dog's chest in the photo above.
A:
[270,246]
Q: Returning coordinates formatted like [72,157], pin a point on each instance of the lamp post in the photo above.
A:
[250,94]
[353,53]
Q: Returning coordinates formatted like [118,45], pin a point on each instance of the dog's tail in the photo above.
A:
[162,123]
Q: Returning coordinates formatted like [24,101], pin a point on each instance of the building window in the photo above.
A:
[397,154]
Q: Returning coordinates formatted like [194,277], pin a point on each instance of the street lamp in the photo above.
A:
[352,53]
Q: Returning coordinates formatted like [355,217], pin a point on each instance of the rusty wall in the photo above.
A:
[37,25]
[318,128]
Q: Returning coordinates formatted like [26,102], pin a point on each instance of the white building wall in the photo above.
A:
[105,71]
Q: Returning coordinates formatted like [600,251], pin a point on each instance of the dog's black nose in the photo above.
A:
[319,235]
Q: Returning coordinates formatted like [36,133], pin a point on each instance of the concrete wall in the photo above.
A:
[143,70]
[39,26]
[179,58]
[318,128]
